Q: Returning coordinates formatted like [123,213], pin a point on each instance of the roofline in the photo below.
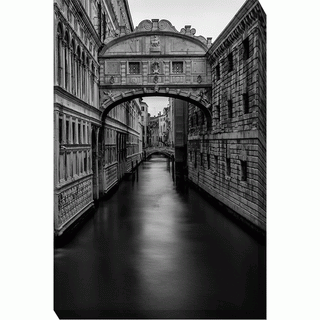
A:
[242,12]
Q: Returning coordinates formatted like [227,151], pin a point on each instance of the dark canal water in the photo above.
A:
[153,250]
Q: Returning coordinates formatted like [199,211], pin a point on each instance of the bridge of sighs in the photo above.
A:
[156,60]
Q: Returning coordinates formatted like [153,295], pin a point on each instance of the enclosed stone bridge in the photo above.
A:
[156,60]
[167,151]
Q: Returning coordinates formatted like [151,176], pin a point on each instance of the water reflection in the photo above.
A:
[155,250]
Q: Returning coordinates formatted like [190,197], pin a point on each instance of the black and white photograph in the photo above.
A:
[160,159]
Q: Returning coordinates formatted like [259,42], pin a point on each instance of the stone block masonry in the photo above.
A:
[229,163]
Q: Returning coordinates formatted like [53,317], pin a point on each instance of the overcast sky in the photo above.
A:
[208,17]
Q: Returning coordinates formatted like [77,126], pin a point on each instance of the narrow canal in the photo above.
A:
[153,250]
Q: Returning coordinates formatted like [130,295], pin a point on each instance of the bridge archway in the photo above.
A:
[109,105]
[156,60]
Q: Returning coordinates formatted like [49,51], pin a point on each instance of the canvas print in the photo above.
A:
[159,159]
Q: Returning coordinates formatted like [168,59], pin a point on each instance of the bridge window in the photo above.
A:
[134,67]
[177,67]
[230,62]
[243,170]
[230,108]
[245,103]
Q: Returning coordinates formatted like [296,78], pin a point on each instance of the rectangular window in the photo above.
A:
[74,132]
[134,67]
[83,134]
[60,130]
[85,161]
[218,71]
[142,108]
[228,166]
[230,62]
[208,160]
[216,162]
[79,130]
[246,48]
[195,159]
[67,131]
[142,118]
[218,112]
[243,170]
[230,108]
[201,159]
[177,67]
[245,103]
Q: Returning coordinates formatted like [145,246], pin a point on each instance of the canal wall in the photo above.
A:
[229,163]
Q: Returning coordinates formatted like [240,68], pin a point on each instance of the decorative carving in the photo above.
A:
[109,94]
[155,67]
[199,79]
[155,79]
[72,200]
[112,79]
[155,43]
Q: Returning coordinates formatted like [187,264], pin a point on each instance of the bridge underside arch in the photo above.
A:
[195,97]
[167,154]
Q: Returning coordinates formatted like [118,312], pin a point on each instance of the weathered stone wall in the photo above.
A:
[230,162]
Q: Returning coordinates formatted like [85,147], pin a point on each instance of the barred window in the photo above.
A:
[134,67]
[228,166]
[177,67]
[218,112]
[218,71]
[245,103]
[230,62]
[230,108]
[246,48]
[243,170]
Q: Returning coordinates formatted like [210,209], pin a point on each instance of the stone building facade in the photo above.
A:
[230,161]
[81,136]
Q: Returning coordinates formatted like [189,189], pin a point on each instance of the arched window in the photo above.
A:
[73,48]
[59,54]
[78,71]
[87,79]
[66,53]
[83,75]
[92,82]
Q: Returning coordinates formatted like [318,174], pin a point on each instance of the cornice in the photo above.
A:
[82,14]
[151,33]
[248,14]
[71,97]
[151,56]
